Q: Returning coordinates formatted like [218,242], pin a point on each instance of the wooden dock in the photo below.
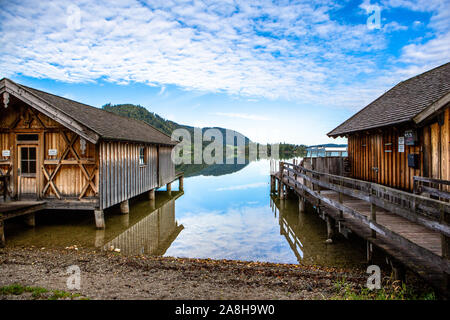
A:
[411,230]
[14,209]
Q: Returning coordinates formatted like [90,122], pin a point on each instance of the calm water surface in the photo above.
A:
[220,216]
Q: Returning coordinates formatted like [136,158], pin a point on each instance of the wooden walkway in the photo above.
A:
[13,209]
[409,238]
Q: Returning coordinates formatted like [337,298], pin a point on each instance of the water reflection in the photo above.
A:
[149,228]
[305,234]
[152,235]
[230,216]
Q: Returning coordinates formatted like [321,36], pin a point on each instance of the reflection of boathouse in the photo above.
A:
[153,234]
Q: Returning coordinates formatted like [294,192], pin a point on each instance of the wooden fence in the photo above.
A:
[431,213]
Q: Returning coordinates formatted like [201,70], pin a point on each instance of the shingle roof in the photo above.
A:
[107,125]
[401,103]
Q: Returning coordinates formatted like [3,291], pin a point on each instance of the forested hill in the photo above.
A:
[140,113]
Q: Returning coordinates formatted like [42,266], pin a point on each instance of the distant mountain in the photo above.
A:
[140,113]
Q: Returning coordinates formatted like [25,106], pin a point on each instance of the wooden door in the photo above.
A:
[375,141]
[27,171]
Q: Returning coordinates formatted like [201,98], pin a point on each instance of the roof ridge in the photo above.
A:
[401,83]
[86,105]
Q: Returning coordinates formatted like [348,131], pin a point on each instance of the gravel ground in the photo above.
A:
[110,275]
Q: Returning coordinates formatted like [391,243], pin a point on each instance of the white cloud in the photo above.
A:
[259,49]
[243,186]
[245,116]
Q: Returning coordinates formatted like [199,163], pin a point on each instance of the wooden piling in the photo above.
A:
[301,204]
[169,188]
[369,252]
[330,229]
[99,219]
[124,207]
[151,194]
[181,183]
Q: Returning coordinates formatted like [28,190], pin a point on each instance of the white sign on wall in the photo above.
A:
[401,144]
[6,153]
[52,152]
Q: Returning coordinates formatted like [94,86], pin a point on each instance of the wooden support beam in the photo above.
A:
[169,188]
[124,207]
[151,194]
[181,183]
[301,204]
[369,252]
[330,229]
[99,219]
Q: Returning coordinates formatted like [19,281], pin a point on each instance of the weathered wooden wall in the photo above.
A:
[151,235]
[166,166]
[331,165]
[122,177]
[73,163]
[379,149]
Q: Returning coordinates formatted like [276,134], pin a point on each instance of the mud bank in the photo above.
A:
[110,275]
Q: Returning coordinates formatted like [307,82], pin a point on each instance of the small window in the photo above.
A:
[142,156]
[27,137]
[28,160]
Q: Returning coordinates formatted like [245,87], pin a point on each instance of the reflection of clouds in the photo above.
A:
[244,186]
[247,233]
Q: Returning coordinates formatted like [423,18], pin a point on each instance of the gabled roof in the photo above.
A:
[105,124]
[410,100]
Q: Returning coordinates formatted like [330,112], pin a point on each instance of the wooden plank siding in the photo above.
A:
[70,178]
[121,174]
[166,168]
[379,149]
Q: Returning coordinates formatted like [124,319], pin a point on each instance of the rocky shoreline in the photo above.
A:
[111,275]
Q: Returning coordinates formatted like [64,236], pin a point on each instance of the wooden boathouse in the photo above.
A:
[62,154]
[396,195]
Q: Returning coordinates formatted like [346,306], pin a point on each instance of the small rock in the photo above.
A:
[328,241]
[117,250]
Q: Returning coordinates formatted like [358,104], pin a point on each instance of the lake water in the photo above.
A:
[225,212]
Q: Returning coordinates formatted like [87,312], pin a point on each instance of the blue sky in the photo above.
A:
[273,70]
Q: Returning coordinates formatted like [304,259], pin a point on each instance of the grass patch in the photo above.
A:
[390,290]
[39,293]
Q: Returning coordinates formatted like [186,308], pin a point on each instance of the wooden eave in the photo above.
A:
[48,110]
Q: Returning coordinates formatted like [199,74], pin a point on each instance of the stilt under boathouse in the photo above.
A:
[61,154]
[396,193]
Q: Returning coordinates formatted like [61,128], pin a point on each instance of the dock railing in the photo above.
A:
[431,213]
[434,187]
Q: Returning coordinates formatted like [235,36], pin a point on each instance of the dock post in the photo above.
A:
[369,252]
[29,220]
[169,188]
[281,188]
[301,204]
[181,183]
[124,207]
[151,194]
[341,201]
[99,219]
[2,234]
[330,229]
